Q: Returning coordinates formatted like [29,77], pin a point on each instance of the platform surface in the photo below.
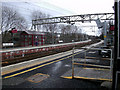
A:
[89,73]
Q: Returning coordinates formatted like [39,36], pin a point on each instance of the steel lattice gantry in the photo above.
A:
[74,18]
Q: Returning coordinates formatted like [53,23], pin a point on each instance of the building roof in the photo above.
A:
[32,32]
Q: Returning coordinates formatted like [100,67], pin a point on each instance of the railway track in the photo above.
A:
[29,56]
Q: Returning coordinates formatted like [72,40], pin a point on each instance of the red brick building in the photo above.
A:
[29,38]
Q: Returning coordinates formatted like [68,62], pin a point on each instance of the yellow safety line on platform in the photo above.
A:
[70,77]
[93,78]
[97,69]
[39,66]
[102,79]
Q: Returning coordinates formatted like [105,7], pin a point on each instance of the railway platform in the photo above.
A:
[92,66]
[48,75]
[27,64]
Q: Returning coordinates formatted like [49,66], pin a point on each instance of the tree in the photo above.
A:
[38,15]
[51,28]
[65,29]
[62,28]
[11,18]
[46,27]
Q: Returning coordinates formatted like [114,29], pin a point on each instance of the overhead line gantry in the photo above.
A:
[73,18]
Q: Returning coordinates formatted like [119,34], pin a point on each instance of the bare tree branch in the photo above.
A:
[11,18]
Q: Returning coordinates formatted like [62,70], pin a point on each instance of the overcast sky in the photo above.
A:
[83,6]
[74,6]
[62,7]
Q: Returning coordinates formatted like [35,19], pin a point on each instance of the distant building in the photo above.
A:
[28,38]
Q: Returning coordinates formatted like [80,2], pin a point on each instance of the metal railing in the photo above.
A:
[85,64]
